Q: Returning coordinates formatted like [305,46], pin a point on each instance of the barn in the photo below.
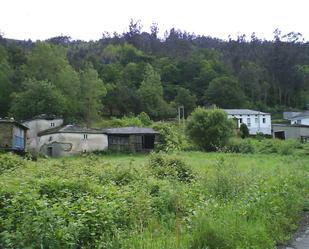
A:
[131,139]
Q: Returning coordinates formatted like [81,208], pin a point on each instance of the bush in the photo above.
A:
[8,161]
[236,145]
[166,166]
[244,131]
[209,129]
[171,139]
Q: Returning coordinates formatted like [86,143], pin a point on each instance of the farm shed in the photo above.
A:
[12,135]
[71,140]
[285,131]
[132,139]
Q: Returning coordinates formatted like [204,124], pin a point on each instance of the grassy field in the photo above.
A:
[181,200]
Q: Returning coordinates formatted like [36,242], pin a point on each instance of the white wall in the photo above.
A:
[65,144]
[37,125]
[303,121]
[258,123]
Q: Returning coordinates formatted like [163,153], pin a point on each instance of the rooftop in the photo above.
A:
[13,121]
[130,130]
[243,112]
[304,114]
[71,129]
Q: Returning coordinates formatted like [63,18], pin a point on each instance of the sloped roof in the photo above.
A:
[291,125]
[130,130]
[12,121]
[44,116]
[70,129]
[243,112]
[304,114]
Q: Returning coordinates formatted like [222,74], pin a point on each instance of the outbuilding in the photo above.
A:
[132,139]
[12,135]
[71,140]
[295,131]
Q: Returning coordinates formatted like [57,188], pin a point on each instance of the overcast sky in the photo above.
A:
[86,20]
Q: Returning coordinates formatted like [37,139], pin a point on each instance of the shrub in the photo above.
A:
[164,165]
[244,131]
[9,161]
[209,129]
[236,145]
[171,138]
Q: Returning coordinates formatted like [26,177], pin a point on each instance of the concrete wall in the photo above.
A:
[255,123]
[292,132]
[35,126]
[66,144]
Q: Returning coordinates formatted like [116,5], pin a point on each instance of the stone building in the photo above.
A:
[12,135]
[295,131]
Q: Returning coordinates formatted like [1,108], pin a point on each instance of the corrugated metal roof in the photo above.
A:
[130,130]
[243,112]
[13,122]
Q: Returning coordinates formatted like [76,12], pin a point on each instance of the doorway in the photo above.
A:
[280,135]
[148,142]
[50,151]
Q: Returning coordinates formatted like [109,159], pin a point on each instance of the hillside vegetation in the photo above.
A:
[136,71]
[181,200]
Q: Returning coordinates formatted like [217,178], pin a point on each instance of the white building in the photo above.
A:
[38,124]
[301,118]
[256,121]
[71,140]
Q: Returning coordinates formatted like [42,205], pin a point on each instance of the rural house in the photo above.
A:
[71,140]
[132,139]
[300,118]
[256,121]
[12,135]
[38,124]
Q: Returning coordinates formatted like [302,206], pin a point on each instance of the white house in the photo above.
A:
[301,118]
[38,124]
[256,121]
[71,140]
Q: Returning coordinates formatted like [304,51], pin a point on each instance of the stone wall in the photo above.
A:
[6,136]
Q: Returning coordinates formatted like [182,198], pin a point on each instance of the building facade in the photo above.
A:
[12,135]
[301,118]
[296,131]
[71,140]
[256,121]
[38,124]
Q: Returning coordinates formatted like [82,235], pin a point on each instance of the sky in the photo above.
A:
[87,20]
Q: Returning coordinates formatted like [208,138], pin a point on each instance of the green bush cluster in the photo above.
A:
[159,202]
[9,161]
[164,165]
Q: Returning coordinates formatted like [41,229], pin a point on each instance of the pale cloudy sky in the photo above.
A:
[86,20]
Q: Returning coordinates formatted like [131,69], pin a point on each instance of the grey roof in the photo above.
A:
[130,130]
[71,129]
[5,120]
[304,114]
[243,112]
[289,115]
[291,125]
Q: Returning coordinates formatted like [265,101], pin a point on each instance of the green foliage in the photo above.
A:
[209,129]
[237,145]
[225,92]
[244,131]
[141,120]
[164,165]
[171,137]
[185,98]
[38,97]
[195,200]
[144,118]
[10,162]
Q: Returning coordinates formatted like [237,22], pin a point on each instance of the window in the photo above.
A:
[256,120]
[52,124]
[248,122]
[240,120]
[264,120]
[85,136]
[298,121]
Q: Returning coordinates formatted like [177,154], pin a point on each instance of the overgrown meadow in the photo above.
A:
[180,200]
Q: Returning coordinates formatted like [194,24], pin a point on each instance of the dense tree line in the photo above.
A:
[138,72]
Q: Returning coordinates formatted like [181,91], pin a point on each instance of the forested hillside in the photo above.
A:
[138,72]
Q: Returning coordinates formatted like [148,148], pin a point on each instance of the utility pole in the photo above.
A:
[181,114]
